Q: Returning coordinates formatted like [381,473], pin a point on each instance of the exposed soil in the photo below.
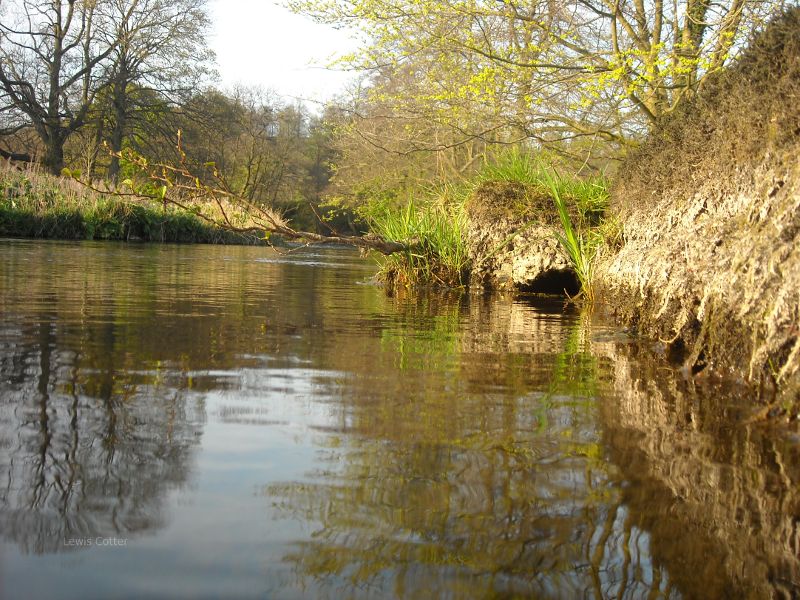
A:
[710,206]
[511,241]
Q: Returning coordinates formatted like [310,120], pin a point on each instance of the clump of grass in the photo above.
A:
[580,247]
[434,233]
[589,195]
[434,224]
[38,205]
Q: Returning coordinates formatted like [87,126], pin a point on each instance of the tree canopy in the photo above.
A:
[550,72]
[57,57]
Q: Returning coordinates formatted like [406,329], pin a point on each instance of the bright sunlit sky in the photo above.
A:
[258,43]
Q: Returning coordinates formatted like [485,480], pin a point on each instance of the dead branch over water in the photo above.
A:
[181,186]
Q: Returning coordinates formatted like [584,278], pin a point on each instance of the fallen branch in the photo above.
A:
[15,156]
[179,186]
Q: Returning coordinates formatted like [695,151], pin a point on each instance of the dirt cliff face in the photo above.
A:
[711,212]
[511,241]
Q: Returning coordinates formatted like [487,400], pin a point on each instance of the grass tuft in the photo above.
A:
[580,248]
[433,224]
[434,231]
[589,195]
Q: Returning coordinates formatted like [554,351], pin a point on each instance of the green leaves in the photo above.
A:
[577,246]
[502,71]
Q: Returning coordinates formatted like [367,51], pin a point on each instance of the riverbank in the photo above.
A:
[710,206]
[699,251]
[38,205]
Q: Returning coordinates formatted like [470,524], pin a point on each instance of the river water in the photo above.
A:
[233,422]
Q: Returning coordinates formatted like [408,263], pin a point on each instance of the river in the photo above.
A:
[235,422]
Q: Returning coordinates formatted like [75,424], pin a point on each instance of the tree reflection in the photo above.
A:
[88,451]
[468,447]
[452,487]
[105,353]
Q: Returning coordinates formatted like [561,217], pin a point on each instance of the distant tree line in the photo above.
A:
[445,84]
[82,80]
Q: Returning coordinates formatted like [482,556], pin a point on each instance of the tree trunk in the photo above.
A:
[54,153]
[120,108]
[116,146]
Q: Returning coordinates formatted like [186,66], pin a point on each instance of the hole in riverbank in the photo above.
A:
[554,283]
[699,364]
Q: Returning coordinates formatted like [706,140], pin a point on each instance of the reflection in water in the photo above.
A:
[719,497]
[482,476]
[76,465]
[278,429]
[91,437]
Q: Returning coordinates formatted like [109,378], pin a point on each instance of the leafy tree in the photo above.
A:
[253,140]
[551,72]
[383,149]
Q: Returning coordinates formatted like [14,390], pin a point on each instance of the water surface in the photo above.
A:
[231,422]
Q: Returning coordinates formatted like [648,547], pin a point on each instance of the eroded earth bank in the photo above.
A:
[707,262]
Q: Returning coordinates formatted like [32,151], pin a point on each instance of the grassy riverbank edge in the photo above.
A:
[437,224]
[38,205]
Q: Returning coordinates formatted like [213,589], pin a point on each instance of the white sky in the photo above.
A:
[261,44]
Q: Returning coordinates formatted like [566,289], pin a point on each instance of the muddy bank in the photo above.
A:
[511,241]
[710,206]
